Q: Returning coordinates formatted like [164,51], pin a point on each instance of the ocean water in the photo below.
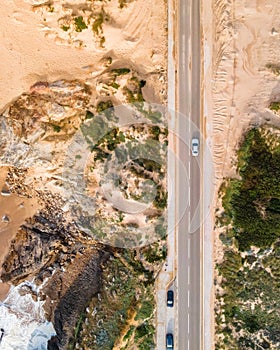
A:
[22,320]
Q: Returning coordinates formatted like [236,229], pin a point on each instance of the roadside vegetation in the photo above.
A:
[252,204]
[123,313]
[248,279]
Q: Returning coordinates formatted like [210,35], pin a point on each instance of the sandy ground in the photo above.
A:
[240,39]
[35,48]
[13,211]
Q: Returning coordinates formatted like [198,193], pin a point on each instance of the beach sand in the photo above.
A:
[14,210]
[34,47]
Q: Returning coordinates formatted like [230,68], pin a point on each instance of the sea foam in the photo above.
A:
[22,320]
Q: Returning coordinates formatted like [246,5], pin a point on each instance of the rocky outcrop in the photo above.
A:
[45,139]
[43,243]
[48,106]
[30,251]
[56,254]
[63,262]
[75,297]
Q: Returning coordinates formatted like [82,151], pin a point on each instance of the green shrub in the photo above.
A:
[97,24]
[65,28]
[252,205]
[106,108]
[275,68]
[251,201]
[56,128]
[89,115]
[104,105]
[146,310]
[160,200]
[79,24]
[274,106]
[120,71]
[129,333]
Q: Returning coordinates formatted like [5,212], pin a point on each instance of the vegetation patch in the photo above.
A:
[133,90]
[275,68]
[275,106]
[120,71]
[160,201]
[106,109]
[65,28]
[154,253]
[89,115]
[97,24]
[115,85]
[247,308]
[118,306]
[56,127]
[251,204]
[80,24]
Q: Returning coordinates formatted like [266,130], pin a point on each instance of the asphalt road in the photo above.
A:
[188,189]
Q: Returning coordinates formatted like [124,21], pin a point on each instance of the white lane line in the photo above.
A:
[188,323]
[183,51]
[184,48]
[189,222]
[188,275]
[188,298]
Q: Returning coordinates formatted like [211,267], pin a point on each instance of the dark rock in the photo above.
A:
[52,344]
[29,252]
[6,218]
[5,191]
[2,334]
[73,302]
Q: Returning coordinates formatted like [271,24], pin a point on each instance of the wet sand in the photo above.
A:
[14,210]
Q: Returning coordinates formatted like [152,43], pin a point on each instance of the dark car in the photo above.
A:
[169,341]
[170,298]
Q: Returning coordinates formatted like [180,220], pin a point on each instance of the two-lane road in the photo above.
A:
[189,244]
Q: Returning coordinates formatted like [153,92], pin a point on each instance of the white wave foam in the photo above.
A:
[23,320]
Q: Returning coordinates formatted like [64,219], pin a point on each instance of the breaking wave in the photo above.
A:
[23,325]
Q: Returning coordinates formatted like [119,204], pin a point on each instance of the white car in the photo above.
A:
[195,147]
